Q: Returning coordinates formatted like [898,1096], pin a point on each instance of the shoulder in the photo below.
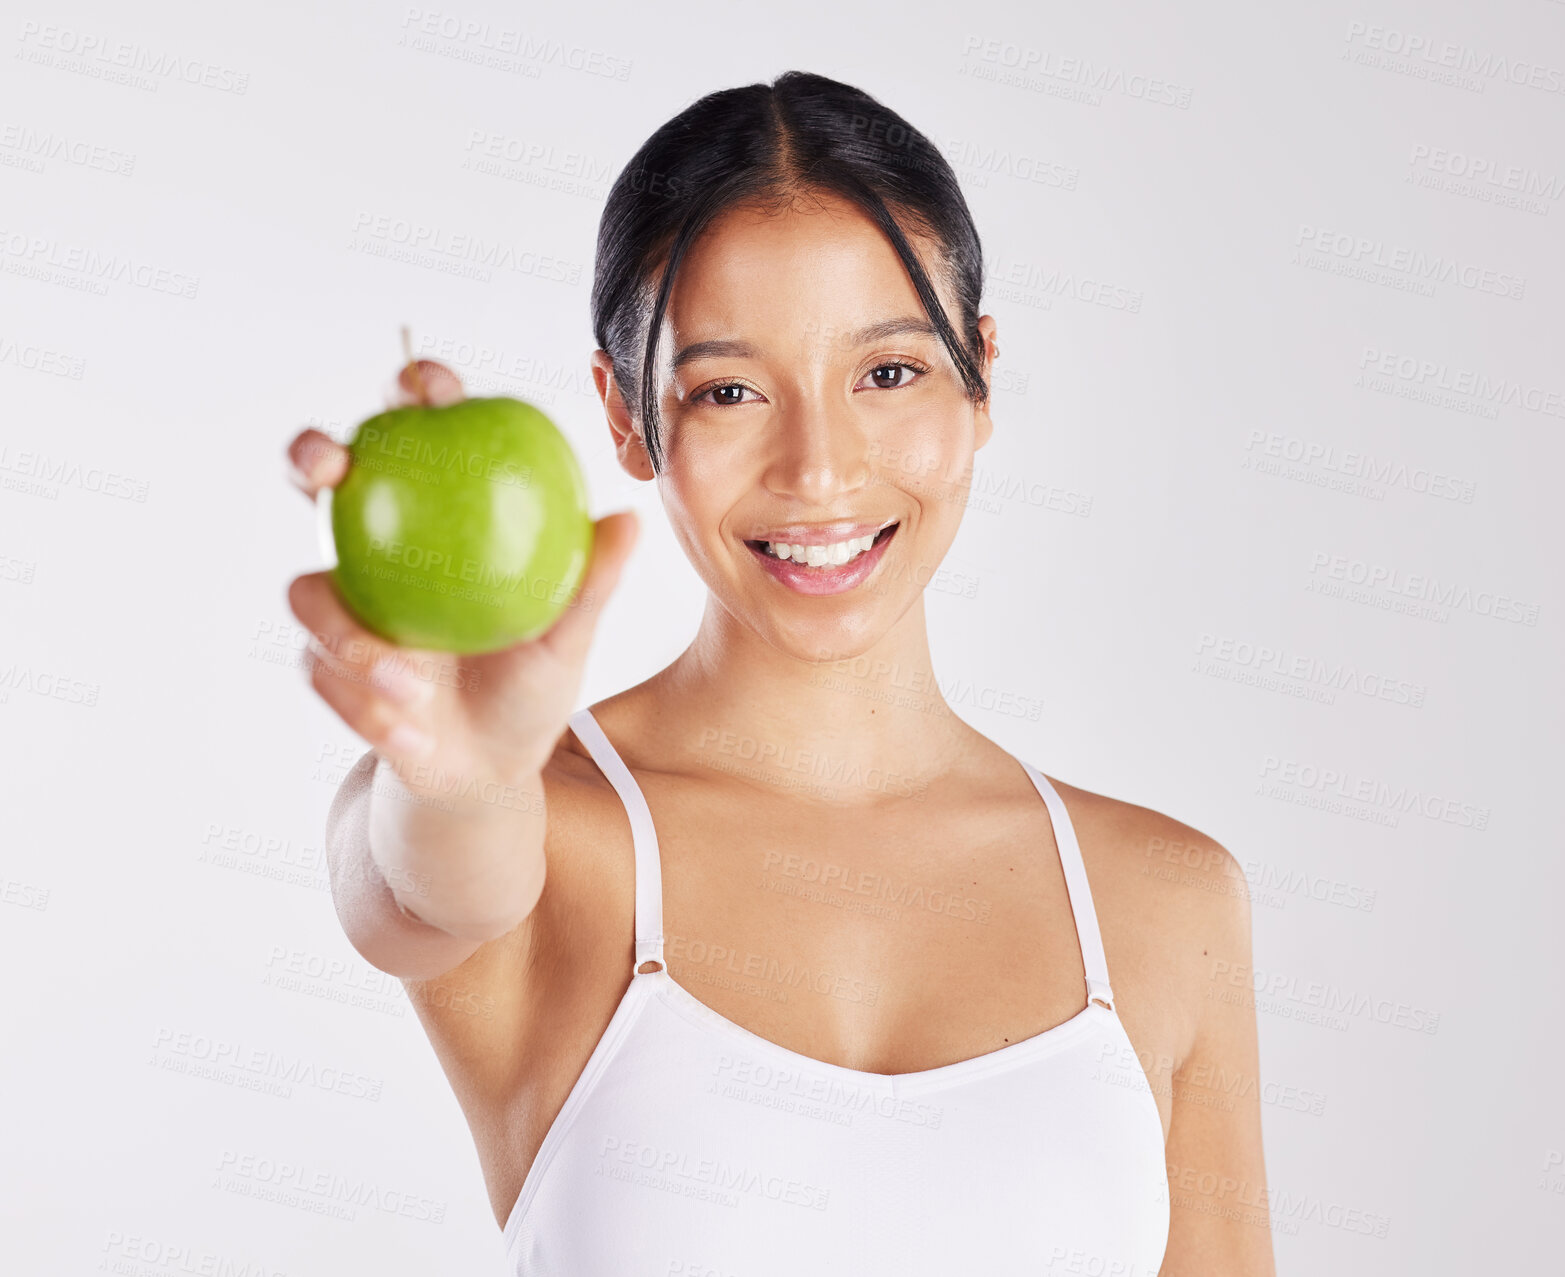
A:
[585,811]
[1173,904]
[1139,853]
[588,843]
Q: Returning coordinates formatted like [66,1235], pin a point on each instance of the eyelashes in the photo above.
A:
[711,390]
[705,396]
[909,364]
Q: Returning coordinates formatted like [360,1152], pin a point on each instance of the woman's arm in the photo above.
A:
[1219,1220]
[436,838]
[369,898]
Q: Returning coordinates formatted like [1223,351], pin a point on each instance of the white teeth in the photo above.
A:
[816,556]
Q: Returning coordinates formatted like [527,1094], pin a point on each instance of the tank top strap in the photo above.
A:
[649,871]
[1088,937]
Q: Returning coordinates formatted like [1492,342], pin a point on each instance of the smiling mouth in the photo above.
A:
[824,557]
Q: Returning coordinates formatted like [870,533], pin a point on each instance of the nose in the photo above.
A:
[819,452]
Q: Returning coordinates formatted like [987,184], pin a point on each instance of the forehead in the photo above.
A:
[818,262]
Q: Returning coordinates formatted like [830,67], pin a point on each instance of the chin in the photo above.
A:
[825,642]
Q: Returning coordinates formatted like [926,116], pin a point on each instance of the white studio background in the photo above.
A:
[1279,292]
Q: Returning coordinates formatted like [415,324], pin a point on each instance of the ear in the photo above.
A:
[629,446]
[983,424]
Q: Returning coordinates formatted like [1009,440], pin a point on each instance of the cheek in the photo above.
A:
[682,505]
[927,454]
[698,491]
[713,464]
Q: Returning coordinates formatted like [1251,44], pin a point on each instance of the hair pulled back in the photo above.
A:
[763,145]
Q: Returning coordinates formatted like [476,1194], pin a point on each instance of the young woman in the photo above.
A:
[783,967]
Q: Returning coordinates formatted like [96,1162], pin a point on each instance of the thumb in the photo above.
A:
[428,383]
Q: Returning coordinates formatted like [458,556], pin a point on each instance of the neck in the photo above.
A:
[866,727]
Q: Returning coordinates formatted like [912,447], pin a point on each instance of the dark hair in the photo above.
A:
[761,145]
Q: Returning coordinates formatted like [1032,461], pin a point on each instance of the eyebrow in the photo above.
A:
[732,349]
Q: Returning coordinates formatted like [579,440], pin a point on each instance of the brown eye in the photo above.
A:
[895,374]
[723,396]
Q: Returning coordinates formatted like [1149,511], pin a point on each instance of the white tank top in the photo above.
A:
[692,1147]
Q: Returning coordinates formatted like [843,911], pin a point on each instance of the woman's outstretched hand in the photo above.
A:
[434,716]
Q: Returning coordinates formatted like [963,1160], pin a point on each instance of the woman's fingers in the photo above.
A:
[396,733]
[384,692]
[404,677]
[613,538]
[428,383]
[316,461]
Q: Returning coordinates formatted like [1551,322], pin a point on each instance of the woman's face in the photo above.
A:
[793,435]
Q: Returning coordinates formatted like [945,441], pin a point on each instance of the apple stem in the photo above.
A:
[418,375]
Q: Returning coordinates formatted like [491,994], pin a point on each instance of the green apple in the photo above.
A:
[460,528]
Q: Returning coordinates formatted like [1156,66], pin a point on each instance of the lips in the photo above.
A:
[820,533]
[830,578]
